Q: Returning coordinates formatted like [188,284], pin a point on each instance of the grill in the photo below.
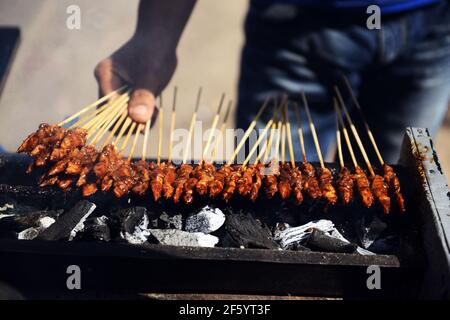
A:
[420,269]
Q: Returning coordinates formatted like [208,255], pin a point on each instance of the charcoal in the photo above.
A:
[33,232]
[170,222]
[322,241]
[243,230]
[368,228]
[16,222]
[386,245]
[207,220]
[69,223]
[291,237]
[96,228]
[175,237]
[133,224]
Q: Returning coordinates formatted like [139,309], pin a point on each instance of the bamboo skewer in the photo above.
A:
[222,132]
[91,106]
[300,132]
[191,127]
[213,127]
[269,142]
[160,137]
[338,137]
[289,137]
[346,135]
[313,131]
[366,125]
[172,124]
[108,124]
[124,128]
[114,130]
[355,132]
[144,145]
[283,140]
[136,137]
[127,138]
[248,131]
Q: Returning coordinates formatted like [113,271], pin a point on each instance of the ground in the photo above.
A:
[51,77]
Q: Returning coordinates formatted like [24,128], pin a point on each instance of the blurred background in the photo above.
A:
[52,74]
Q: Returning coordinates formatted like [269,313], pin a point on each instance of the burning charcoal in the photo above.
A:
[96,228]
[207,220]
[69,223]
[33,232]
[369,228]
[243,230]
[168,222]
[16,222]
[322,241]
[292,237]
[174,237]
[133,224]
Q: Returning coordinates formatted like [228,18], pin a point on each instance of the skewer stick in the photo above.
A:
[213,128]
[366,125]
[160,138]
[289,137]
[300,131]
[269,142]
[107,125]
[127,138]
[92,105]
[144,145]
[338,136]
[249,130]
[355,132]
[100,120]
[313,131]
[172,124]
[124,128]
[277,141]
[346,136]
[116,127]
[283,140]
[191,127]
[222,132]
[136,137]
[261,136]
[84,122]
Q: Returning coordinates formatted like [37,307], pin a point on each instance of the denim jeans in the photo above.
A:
[400,73]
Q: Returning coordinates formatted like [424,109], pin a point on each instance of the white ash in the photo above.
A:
[176,237]
[6,207]
[80,225]
[207,220]
[140,233]
[33,232]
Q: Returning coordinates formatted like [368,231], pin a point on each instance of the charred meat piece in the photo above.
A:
[217,184]
[141,177]
[123,178]
[345,185]
[284,184]
[183,174]
[257,182]
[244,184]
[204,177]
[310,183]
[394,186]
[231,182]
[170,175]
[326,185]
[271,181]
[380,191]
[157,180]
[297,185]
[363,187]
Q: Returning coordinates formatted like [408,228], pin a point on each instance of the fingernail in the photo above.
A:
[139,110]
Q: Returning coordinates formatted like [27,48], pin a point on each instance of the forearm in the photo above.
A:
[161,23]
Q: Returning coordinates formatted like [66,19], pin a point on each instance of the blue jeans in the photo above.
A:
[400,73]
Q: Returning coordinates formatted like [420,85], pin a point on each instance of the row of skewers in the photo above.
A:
[71,159]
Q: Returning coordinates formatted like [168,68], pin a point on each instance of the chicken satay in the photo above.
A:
[380,191]
[326,185]
[157,180]
[123,179]
[244,184]
[297,185]
[284,184]
[141,177]
[183,174]
[204,176]
[271,181]
[217,184]
[394,186]
[170,175]
[189,186]
[310,183]
[231,183]
[345,185]
[257,182]
[89,189]
[363,187]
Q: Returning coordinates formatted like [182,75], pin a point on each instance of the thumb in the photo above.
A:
[141,107]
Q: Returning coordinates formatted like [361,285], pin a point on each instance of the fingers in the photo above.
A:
[108,80]
[141,107]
